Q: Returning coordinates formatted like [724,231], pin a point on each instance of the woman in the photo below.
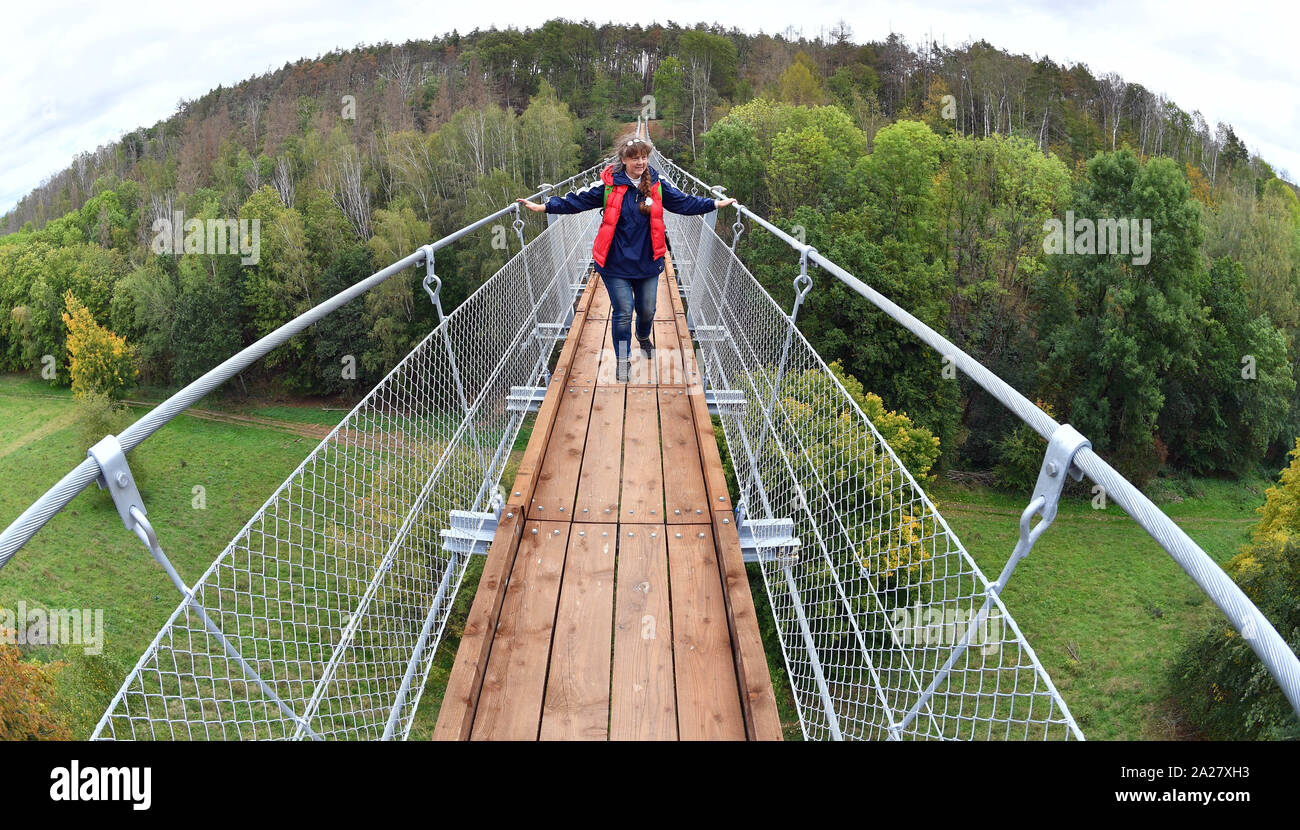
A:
[631,243]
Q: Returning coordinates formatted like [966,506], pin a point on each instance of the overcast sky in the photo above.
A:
[76,76]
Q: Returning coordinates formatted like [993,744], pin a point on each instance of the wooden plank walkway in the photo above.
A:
[614,602]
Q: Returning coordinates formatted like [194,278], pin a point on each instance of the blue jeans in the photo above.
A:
[623,294]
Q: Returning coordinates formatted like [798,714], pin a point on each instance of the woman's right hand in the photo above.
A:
[533,206]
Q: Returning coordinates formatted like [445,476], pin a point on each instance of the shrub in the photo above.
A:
[1280,513]
[98,415]
[1225,689]
[1223,686]
[1020,456]
[99,360]
[915,446]
[25,713]
[887,528]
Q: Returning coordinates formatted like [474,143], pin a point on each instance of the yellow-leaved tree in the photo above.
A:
[1223,687]
[25,713]
[1280,513]
[99,360]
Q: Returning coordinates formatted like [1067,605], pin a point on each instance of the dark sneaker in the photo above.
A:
[620,371]
[646,345]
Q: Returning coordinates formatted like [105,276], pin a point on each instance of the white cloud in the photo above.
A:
[81,76]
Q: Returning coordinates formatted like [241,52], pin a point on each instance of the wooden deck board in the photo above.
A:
[757,700]
[602,460]
[591,337]
[643,702]
[684,494]
[584,299]
[668,354]
[708,699]
[642,495]
[664,299]
[577,688]
[599,307]
[510,705]
[557,485]
[640,368]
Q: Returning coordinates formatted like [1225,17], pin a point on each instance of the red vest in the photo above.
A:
[614,207]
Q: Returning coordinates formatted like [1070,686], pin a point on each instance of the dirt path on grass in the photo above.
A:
[1115,514]
[306,430]
[317,431]
[48,428]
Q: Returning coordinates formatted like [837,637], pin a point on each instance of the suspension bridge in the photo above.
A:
[614,601]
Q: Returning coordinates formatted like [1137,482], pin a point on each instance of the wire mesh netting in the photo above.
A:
[335,593]
[880,596]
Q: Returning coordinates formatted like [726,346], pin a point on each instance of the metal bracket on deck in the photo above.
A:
[710,334]
[550,332]
[725,401]
[525,398]
[768,540]
[471,533]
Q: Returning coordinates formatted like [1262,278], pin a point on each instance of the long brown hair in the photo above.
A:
[639,148]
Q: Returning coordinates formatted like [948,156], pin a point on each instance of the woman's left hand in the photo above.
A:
[721,203]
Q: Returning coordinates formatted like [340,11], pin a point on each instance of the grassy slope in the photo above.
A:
[1095,583]
[85,558]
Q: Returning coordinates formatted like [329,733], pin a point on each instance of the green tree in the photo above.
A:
[144,311]
[799,84]
[1112,329]
[206,330]
[35,275]
[732,156]
[391,310]
[548,136]
[994,195]
[280,286]
[669,92]
[800,164]
[1222,413]
[343,337]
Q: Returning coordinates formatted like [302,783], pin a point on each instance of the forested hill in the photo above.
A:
[602,73]
[931,173]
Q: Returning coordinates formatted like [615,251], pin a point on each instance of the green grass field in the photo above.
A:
[1101,603]
[85,558]
[1104,607]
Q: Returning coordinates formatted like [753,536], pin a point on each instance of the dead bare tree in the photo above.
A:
[161,207]
[282,181]
[253,109]
[407,75]
[409,157]
[1113,89]
[348,192]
